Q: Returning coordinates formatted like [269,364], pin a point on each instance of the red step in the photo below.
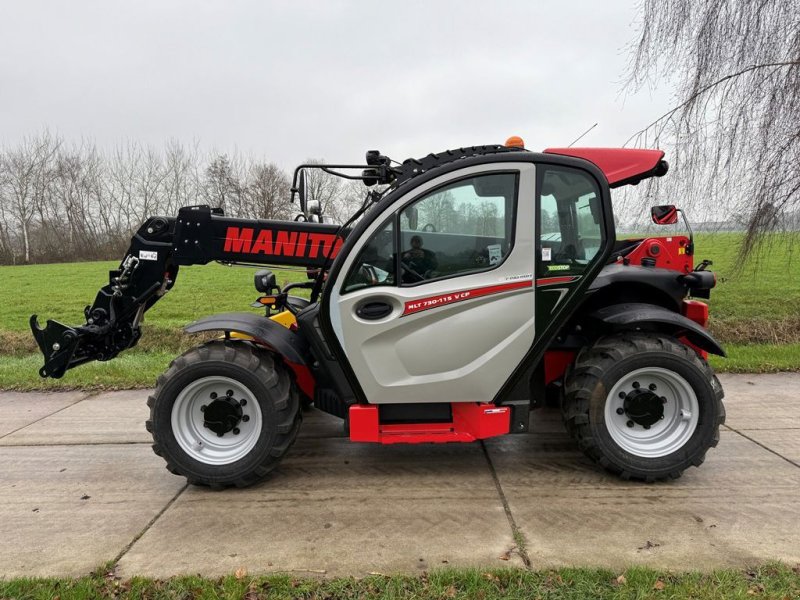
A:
[471,421]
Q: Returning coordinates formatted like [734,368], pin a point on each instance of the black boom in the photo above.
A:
[198,235]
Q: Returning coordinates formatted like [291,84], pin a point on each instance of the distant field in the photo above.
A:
[755,312]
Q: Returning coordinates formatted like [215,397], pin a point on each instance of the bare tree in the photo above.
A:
[6,244]
[118,211]
[322,187]
[25,182]
[734,133]
[181,177]
[76,202]
[224,186]
[350,198]
[267,192]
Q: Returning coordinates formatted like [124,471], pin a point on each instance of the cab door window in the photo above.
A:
[376,262]
[463,227]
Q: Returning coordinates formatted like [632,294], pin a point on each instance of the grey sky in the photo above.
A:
[290,80]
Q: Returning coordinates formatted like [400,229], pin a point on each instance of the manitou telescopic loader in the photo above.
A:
[472,286]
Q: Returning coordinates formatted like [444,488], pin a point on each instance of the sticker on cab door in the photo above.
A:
[495,253]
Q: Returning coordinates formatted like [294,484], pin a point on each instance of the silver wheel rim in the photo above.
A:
[201,443]
[671,432]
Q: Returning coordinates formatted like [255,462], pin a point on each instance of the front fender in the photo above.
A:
[291,346]
[633,315]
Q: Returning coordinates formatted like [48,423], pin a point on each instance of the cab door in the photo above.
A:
[436,301]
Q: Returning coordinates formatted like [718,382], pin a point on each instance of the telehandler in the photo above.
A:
[471,287]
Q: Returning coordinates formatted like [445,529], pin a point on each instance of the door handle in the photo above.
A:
[374,310]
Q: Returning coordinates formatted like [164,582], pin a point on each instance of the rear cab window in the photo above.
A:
[570,220]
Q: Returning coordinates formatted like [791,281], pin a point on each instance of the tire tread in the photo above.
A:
[284,397]
[585,374]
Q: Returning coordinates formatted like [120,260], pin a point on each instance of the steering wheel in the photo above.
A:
[367,271]
[405,269]
[429,228]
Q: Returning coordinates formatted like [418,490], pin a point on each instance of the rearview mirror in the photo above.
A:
[665,214]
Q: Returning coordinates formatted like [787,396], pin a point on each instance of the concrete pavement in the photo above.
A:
[79,486]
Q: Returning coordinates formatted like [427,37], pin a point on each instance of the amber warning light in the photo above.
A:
[515,142]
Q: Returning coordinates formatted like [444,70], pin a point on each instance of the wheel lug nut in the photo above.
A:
[636,385]
[243,402]
[622,395]
[219,435]
[652,387]
[245,418]
[235,431]
[203,408]
[213,395]
[629,423]
[663,399]
[229,393]
[647,426]
[620,411]
[662,417]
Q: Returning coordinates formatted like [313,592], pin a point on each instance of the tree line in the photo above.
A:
[66,202]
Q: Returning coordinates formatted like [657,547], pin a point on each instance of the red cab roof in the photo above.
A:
[621,166]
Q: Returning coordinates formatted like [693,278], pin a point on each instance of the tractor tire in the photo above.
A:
[643,405]
[224,414]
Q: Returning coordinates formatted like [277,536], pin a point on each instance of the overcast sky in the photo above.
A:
[291,80]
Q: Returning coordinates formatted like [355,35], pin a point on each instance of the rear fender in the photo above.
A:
[638,316]
[290,346]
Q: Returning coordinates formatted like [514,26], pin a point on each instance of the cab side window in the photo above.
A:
[463,227]
[570,220]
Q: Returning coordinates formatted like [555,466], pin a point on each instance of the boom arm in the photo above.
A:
[198,235]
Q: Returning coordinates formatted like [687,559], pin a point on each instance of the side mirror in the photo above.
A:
[301,191]
[665,214]
[264,280]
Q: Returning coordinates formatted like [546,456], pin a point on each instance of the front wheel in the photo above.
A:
[644,406]
[224,414]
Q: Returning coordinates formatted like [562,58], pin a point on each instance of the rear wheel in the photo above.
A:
[224,414]
[644,406]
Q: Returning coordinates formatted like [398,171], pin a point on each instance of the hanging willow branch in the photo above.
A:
[733,137]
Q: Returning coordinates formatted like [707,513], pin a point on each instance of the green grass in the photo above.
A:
[771,581]
[755,313]
[758,301]
[758,358]
[60,291]
[134,369]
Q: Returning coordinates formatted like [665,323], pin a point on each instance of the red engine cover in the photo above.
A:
[668,252]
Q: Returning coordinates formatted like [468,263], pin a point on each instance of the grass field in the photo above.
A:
[755,313]
[772,581]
